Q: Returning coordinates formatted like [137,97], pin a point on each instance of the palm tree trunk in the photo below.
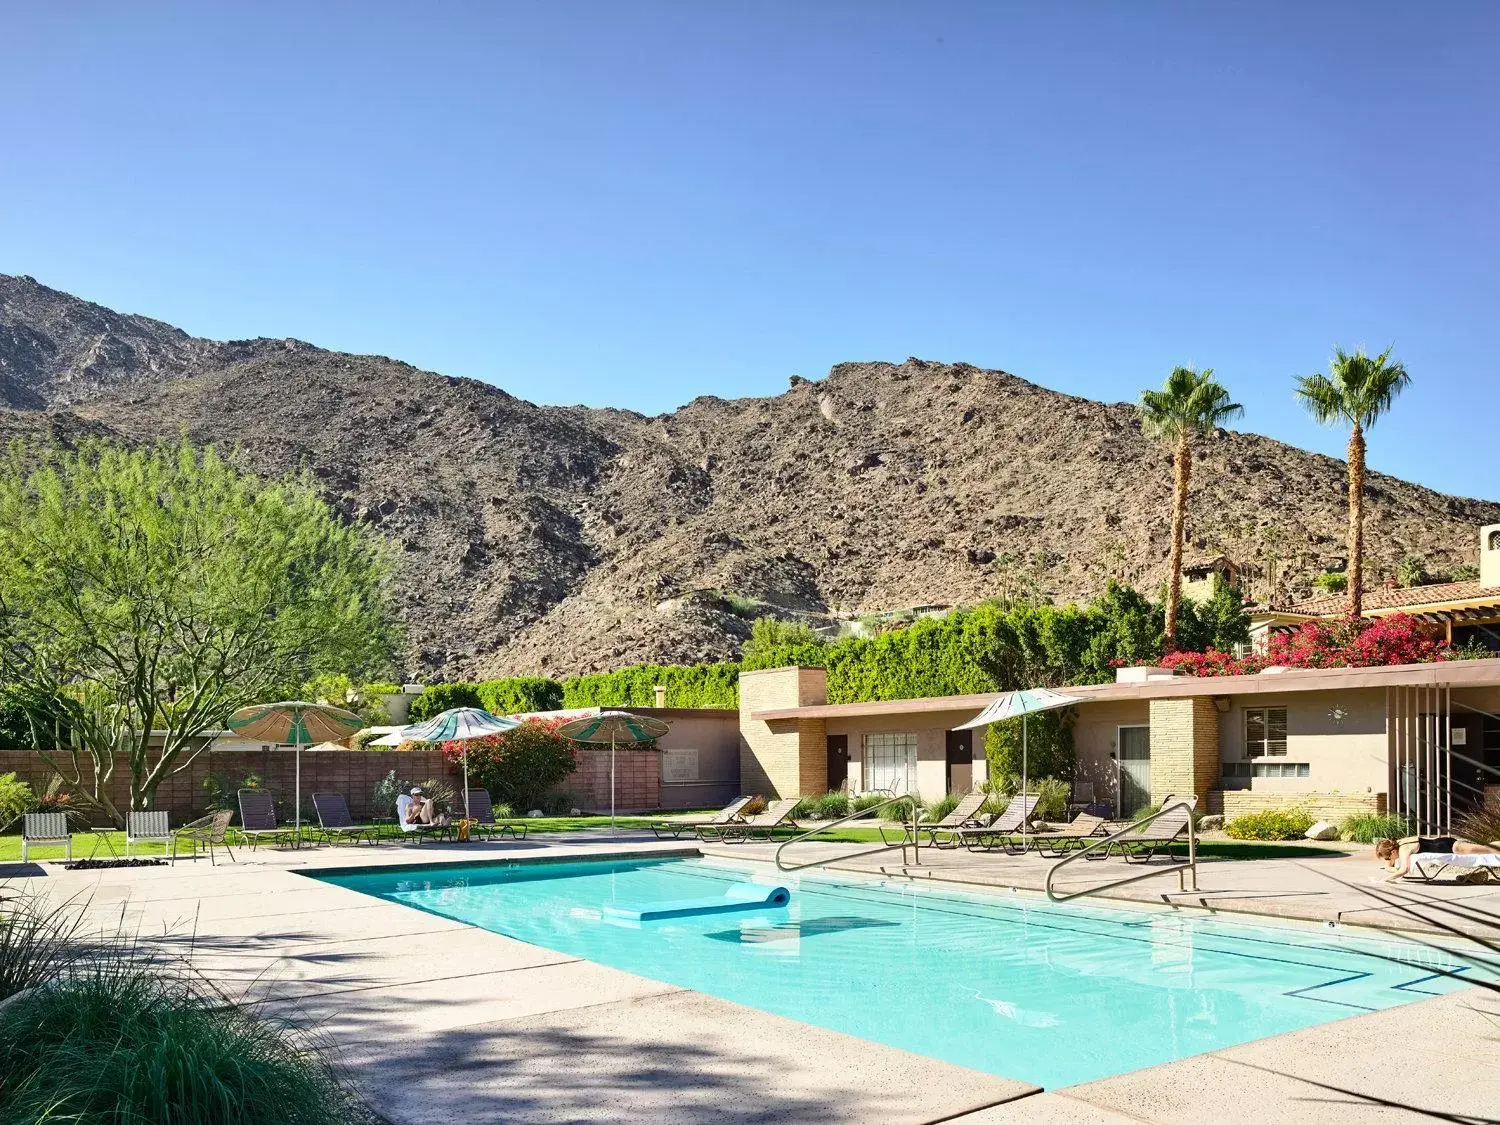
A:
[1356,522]
[1182,471]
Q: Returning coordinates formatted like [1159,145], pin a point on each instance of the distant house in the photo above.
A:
[1201,576]
[1467,612]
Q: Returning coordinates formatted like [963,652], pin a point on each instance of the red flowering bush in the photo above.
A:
[520,767]
[1367,643]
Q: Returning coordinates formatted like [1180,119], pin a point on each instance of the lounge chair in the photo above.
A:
[941,833]
[1468,867]
[1142,844]
[145,827]
[258,818]
[1003,830]
[763,825]
[420,831]
[673,829]
[48,830]
[335,823]
[482,811]
[211,831]
[1074,835]
[1083,797]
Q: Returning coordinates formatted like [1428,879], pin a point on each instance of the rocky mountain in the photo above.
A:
[567,539]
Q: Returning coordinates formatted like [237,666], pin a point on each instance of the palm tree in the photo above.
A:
[1358,389]
[1189,403]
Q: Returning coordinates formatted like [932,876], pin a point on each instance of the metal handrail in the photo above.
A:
[1134,829]
[860,815]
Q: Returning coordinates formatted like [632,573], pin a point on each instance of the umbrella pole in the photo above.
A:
[611,779]
[297,789]
[1024,818]
[466,781]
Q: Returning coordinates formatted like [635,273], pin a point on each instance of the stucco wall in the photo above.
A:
[1096,736]
[1347,755]
[931,729]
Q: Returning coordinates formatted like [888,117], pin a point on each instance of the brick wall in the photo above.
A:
[1325,806]
[1184,747]
[355,773]
[787,758]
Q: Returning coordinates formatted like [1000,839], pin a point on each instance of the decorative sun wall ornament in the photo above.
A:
[1338,715]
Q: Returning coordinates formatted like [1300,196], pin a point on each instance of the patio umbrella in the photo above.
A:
[299,723]
[618,728]
[1021,703]
[459,724]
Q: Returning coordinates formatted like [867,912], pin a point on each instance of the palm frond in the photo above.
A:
[1323,398]
[1188,402]
[1359,388]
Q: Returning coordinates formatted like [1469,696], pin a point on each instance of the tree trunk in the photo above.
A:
[1356,522]
[1182,471]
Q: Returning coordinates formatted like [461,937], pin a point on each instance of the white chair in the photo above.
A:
[45,829]
[147,826]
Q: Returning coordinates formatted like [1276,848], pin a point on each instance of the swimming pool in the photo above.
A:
[1013,985]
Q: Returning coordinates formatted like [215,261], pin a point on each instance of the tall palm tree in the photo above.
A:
[1189,403]
[1358,389]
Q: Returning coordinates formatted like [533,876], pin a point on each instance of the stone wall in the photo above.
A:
[1325,806]
[787,758]
[1184,747]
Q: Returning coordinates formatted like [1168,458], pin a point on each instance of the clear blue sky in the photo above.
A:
[635,203]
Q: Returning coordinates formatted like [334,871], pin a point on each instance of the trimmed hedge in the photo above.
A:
[503,697]
[688,685]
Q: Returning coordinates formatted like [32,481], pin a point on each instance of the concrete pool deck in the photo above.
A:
[438,1020]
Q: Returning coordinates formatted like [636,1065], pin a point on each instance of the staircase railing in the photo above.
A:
[1182,869]
[860,815]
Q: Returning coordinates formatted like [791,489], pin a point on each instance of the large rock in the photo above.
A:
[1323,830]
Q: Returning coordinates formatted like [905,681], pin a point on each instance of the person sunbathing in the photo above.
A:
[421,810]
[1397,856]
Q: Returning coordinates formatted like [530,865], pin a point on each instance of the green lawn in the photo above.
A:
[83,843]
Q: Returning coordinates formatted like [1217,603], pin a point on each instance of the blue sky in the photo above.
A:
[632,204]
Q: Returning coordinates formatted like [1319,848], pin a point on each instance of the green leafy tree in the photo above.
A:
[1357,390]
[1189,404]
[1333,581]
[1219,623]
[1411,571]
[521,767]
[146,594]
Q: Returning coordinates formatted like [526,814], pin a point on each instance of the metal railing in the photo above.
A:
[1182,869]
[860,815]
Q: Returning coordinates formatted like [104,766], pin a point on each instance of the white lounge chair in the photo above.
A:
[1427,866]
[154,826]
[48,830]
[420,831]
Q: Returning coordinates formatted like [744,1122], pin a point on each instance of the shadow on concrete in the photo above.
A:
[22,871]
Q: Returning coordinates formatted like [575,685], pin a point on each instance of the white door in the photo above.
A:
[1135,769]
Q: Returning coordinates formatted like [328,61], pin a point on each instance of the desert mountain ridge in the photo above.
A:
[565,539]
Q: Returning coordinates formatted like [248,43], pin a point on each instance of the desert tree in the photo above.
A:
[1357,390]
[147,593]
[1189,404]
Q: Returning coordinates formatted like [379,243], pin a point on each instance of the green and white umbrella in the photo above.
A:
[459,724]
[1019,704]
[618,728]
[298,723]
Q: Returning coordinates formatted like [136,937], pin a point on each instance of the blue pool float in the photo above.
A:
[742,896]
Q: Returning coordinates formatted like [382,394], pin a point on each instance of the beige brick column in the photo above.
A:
[1184,747]
[788,757]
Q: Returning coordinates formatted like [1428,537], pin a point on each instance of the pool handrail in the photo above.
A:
[1134,828]
[860,815]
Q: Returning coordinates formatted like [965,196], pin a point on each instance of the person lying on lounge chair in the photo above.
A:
[421,810]
[1397,855]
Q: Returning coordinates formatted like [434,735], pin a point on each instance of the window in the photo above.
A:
[891,762]
[1265,732]
[1237,775]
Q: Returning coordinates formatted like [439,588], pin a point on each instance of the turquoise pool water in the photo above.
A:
[1012,985]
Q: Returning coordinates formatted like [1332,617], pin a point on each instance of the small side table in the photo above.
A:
[101,837]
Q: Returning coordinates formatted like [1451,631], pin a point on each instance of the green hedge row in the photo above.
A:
[688,685]
[503,697]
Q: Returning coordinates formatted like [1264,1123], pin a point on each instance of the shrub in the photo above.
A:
[222,790]
[1397,639]
[939,809]
[1051,793]
[828,806]
[1270,824]
[1411,571]
[15,798]
[1369,827]
[522,766]
[113,1041]
[1049,745]
[518,694]
[1463,572]
[1332,581]
[437,698]
[1482,824]
[866,801]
